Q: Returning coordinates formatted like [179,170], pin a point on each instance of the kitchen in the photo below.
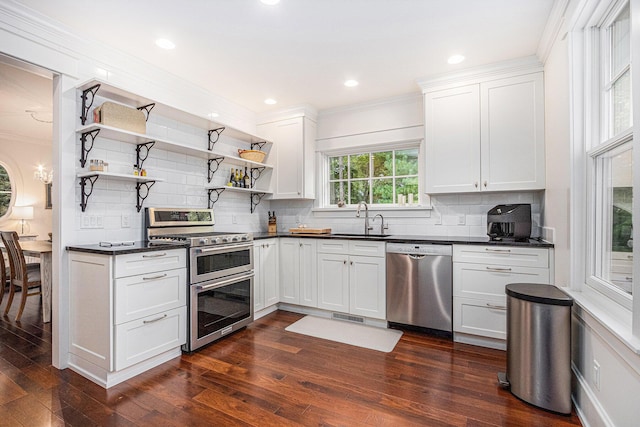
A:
[400,114]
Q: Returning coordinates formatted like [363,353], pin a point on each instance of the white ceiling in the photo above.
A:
[301,51]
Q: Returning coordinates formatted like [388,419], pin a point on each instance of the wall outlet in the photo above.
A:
[461,219]
[125,221]
[596,374]
[234,219]
[92,221]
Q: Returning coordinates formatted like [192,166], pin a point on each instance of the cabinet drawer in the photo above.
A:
[358,247]
[148,294]
[488,280]
[149,262]
[147,337]
[331,246]
[487,318]
[502,255]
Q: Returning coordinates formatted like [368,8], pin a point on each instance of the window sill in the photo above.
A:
[614,318]
[388,212]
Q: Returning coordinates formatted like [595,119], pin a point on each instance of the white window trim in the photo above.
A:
[14,184]
[583,37]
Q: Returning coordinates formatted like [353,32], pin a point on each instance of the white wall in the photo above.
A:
[21,159]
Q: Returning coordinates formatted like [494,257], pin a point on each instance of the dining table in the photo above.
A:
[42,249]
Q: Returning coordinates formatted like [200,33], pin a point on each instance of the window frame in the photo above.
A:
[12,199]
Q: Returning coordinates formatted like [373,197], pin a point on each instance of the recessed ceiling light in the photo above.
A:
[455,59]
[270,101]
[165,44]
[351,83]
[270,2]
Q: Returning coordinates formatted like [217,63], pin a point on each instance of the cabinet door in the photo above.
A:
[258,279]
[367,286]
[308,273]
[452,140]
[333,282]
[269,264]
[289,271]
[487,318]
[286,157]
[512,140]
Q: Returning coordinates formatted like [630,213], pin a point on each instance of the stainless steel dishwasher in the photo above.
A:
[419,286]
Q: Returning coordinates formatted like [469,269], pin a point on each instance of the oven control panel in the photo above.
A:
[221,240]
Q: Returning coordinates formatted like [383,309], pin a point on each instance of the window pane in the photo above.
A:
[622,103]
[338,192]
[407,162]
[407,186]
[359,192]
[359,165]
[383,164]
[382,191]
[620,42]
[5,191]
[615,218]
[338,167]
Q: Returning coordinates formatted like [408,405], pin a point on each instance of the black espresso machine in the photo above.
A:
[509,222]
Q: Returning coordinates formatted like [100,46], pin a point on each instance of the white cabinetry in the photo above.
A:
[266,292]
[485,136]
[298,271]
[127,312]
[351,277]
[292,157]
[480,274]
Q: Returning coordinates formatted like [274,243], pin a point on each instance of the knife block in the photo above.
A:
[273,227]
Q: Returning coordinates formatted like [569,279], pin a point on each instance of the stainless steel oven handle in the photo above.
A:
[217,284]
[225,248]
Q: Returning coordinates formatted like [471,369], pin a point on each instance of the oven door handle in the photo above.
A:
[219,283]
[225,248]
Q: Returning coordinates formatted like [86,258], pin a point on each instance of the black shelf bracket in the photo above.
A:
[259,144]
[141,197]
[255,174]
[218,132]
[255,200]
[86,104]
[83,189]
[86,149]
[218,192]
[146,109]
[217,161]
[142,152]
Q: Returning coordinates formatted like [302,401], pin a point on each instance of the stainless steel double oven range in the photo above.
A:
[220,271]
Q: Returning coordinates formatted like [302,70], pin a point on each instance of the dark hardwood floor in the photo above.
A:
[264,376]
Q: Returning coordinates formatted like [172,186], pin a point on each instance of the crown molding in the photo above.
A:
[552,28]
[528,64]
[303,110]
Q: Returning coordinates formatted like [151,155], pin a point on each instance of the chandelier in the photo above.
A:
[42,175]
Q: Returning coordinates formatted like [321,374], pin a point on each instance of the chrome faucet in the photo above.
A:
[367,228]
[383,226]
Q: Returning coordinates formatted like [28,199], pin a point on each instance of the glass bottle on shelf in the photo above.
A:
[232,178]
[247,180]
[239,181]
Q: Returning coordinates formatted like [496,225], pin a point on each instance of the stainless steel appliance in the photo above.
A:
[420,287]
[509,222]
[220,271]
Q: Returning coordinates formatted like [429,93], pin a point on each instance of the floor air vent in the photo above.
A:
[347,317]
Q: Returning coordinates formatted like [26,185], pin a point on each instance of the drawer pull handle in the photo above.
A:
[496,307]
[499,251]
[501,270]
[159,276]
[629,279]
[154,320]
[155,255]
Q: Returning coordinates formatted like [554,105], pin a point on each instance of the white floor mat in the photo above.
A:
[348,333]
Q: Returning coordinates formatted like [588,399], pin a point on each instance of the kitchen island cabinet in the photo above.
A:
[127,312]
[485,136]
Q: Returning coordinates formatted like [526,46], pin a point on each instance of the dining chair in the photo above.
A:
[27,279]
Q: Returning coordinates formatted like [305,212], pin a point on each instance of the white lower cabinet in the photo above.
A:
[127,314]
[480,274]
[351,277]
[266,260]
[298,271]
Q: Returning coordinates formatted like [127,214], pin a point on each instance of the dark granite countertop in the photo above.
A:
[120,250]
[412,239]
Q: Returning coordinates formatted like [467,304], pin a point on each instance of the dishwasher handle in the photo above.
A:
[419,249]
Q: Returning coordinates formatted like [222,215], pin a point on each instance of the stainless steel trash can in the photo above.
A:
[539,345]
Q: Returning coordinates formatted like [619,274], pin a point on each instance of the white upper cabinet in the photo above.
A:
[487,135]
[292,157]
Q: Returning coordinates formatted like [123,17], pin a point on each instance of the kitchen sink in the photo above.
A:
[360,235]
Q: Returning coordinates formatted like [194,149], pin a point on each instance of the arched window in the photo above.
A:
[6,190]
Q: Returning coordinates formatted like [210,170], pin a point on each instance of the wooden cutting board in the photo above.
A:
[308,230]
